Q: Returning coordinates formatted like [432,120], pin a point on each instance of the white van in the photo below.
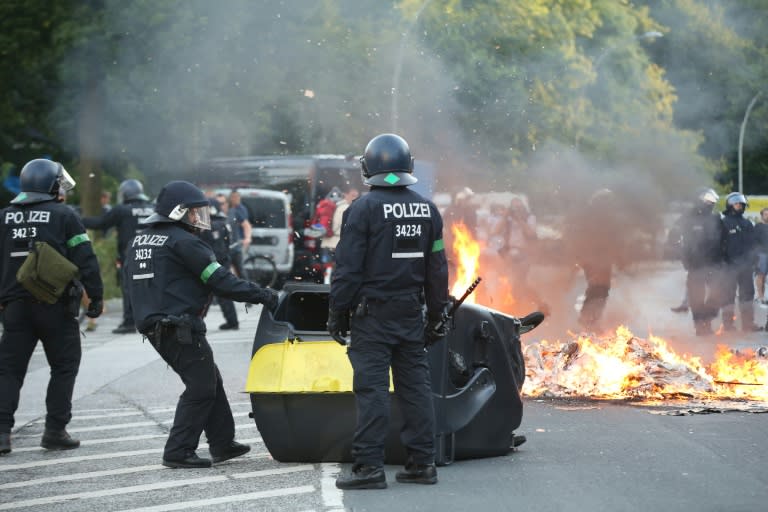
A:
[269,212]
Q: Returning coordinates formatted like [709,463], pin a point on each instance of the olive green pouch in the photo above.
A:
[46,273]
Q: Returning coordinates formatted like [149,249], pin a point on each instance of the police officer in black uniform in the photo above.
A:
[36,214]
[701,240]
[133,207]
[172,275]
[739,255]
[218,238]
[389,261]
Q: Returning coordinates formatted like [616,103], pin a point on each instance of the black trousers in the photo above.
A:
[704,293]
[598,276]
[228,309]
[125,282]
[25,322]
[391,334]
[203,406]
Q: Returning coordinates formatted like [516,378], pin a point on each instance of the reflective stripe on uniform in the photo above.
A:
[77,240]
[438,245]
[407,254]
[207,271]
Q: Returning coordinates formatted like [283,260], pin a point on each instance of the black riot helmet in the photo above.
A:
[130,190]
[387,162]
[181,201]
[41,180]
[733,199]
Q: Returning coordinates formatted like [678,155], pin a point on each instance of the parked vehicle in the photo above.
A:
[306,179]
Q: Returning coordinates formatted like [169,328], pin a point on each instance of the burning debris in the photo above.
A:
[623,366]
[617,365]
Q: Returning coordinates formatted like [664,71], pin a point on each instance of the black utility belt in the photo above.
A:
[363,307]
[183,333]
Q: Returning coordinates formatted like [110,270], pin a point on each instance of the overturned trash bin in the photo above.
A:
[300,384]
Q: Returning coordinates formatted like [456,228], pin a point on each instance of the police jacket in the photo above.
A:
[125,218]
[701,239]
[391,244]
[173,272]
[51,222]
[218,238]
[739,243]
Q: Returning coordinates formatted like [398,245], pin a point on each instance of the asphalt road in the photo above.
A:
[580,455]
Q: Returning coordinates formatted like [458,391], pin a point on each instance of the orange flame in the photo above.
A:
[466,251]
[617,365]
[621,365]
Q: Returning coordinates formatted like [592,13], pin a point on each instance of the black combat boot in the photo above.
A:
[58,440]
[229,451]
[417,474]
[5,443]
[190,460]
[124,329]
[363,477]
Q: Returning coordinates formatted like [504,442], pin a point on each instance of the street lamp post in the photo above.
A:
[741,141]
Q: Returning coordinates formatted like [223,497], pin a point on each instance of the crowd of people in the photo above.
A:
[726,259]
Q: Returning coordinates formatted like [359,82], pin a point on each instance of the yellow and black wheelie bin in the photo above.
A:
[300,384]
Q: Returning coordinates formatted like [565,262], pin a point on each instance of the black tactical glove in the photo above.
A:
[435,331]
[438,324]
[269,298]
[338,325]
[95,307]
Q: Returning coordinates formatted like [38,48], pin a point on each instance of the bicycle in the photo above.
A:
[260,269]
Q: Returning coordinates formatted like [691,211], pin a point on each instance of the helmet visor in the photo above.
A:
[198,217]
[66,182]
[709,196]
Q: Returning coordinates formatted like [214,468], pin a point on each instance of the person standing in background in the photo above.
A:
[701,236]
[239,222]
[218,238]
[349,194]
[761,263]
[133,207]
[739,253]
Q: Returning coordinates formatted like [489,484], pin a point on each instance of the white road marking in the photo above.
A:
[139,469]
[90,442]
[332,497]
[274,493]
[98,456]
[75,417]
[163,485]
[116,426]
[80,476]
[81,458]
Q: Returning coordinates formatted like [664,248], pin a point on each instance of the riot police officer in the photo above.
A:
[739,253]
[35,215]
[218,238]
[390,260]
[701,238]
[172,275]
[133,206]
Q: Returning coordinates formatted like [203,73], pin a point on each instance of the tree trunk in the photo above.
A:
[90,129]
